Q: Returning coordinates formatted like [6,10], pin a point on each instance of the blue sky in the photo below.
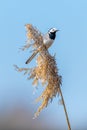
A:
[71,55]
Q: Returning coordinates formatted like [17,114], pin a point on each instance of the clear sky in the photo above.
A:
[70,16]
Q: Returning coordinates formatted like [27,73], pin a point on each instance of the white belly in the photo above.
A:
[47,41]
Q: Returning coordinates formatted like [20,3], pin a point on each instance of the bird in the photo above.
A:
[48,40]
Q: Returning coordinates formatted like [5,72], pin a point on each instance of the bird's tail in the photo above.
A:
[31,57]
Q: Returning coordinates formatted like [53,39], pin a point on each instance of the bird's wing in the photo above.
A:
[45,38]
[47,41]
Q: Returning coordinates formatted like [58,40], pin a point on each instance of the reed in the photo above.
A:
[45,70]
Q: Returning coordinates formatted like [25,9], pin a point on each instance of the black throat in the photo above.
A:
[52,35]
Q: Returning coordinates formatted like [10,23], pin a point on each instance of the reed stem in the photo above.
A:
[66,114]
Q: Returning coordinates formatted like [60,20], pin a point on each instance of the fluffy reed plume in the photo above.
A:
[34,37]
[45,71]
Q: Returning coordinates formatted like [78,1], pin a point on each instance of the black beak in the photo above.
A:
[57,30]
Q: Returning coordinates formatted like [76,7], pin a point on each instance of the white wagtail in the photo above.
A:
[48,40]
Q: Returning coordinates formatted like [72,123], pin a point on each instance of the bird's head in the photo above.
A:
[52,33]
[53,30]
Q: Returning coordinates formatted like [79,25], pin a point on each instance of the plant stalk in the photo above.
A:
[66,114]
